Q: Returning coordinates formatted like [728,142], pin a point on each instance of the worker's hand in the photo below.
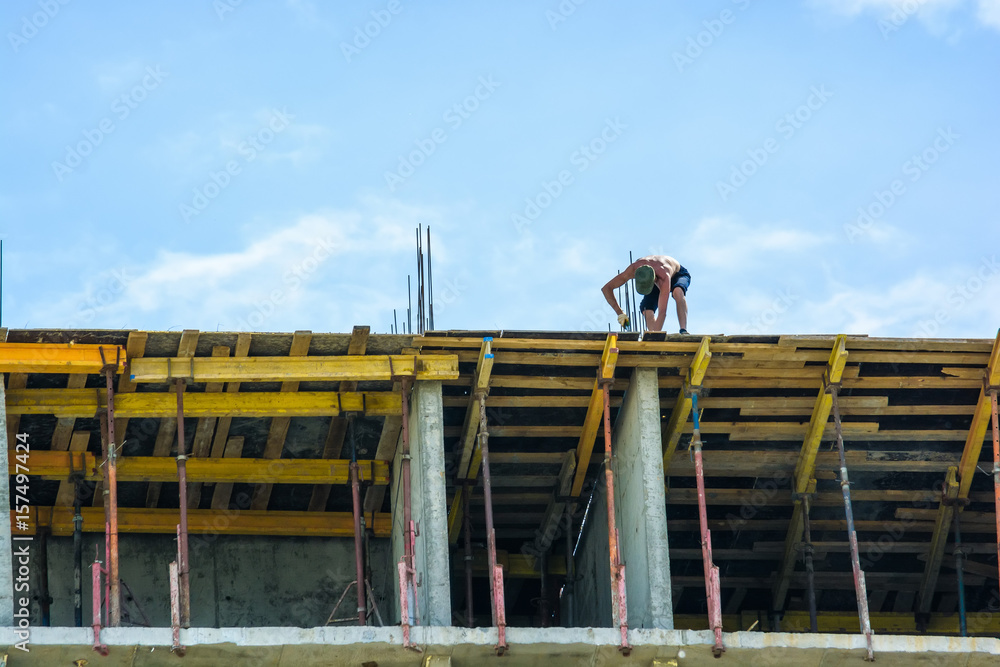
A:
[623,319]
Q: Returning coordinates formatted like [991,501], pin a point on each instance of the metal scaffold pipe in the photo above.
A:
[712,585]
[183,567]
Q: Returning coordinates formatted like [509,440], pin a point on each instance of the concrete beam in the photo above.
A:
[429,506]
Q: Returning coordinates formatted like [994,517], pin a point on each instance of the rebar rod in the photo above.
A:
[807,553]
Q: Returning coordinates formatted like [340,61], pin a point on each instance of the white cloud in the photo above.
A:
[935,15]
[322,271]
[727,242]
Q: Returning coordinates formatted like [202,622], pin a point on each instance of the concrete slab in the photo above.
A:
[554,647]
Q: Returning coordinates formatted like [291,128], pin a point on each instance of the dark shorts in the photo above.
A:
[680,279]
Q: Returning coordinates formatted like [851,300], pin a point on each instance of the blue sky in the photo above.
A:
[818,166]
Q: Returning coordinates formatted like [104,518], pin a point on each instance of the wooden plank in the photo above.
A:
[135,347]
[470,457]
[334,444]
[595,413]
[803,480]
[224,490]
[291,369]
[959,480]
[201,446]
[64,425]
[672,429]
[208,522]
[69,358]
[278,430]
[168,425]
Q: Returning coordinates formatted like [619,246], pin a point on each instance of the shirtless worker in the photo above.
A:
[651,274]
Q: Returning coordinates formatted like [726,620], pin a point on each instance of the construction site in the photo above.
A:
[455,497]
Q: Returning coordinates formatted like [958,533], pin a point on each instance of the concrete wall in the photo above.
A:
[236,581]
[429,506]
[592,606]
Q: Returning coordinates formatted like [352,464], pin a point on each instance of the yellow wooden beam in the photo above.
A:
[959,480]
[59,358]
[471,458]
[61,465]
[595,413]
[83,403]
[296,369]
[204,522]
[671,434]
[803,480]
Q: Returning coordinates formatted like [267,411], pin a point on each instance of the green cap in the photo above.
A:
[644,277]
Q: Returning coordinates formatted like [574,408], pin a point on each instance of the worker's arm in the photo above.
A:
[661,306]
[609,288]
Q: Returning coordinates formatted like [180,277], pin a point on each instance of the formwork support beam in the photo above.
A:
[963,480]
[595,409]
[59,358]
[803,481]
[672,430]
[296,369]
[469,462]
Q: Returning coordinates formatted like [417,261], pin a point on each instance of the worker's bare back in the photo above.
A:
[660,263]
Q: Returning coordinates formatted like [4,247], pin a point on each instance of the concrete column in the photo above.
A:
[429,506]
[6,548]
[640,513]
[641,504]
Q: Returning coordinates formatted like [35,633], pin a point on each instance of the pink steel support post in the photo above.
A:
[859,576]
[359,554]
[183,567]
[111,506]
[619,607]
[96,573]
[175,610]
[712,585]
[496,571]
[406,566]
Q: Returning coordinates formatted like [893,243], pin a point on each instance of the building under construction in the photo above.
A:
[458,497]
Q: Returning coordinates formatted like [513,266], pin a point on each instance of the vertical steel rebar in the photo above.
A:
[807,552]
[467,529]
[183,567]
[77,558]
[409,306]
[712,584]
[619,606]
[111,489]
[496,572]
[959,554]
[859,576]
[430,282]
